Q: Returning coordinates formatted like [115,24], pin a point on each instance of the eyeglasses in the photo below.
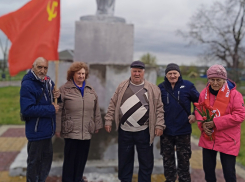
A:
[212,80]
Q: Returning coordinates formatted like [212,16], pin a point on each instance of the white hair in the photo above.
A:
[39,58]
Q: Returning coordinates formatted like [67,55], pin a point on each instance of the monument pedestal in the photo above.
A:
[104,42]
[103,18]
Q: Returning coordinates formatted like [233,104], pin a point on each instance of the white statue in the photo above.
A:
[105,7]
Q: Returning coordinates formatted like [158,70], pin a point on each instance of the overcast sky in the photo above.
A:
[155,24]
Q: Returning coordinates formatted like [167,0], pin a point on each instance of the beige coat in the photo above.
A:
[78,116]
[156,113]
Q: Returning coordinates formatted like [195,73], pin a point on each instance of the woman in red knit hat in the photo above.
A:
[221,134]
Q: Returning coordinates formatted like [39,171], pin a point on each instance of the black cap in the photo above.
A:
[172,66]
[137,64]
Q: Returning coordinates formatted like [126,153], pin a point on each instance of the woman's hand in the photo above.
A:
[96,131]
[210,124]
[108,128]
[207,129]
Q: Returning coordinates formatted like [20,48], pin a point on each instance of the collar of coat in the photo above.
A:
[146,83]
[70,84]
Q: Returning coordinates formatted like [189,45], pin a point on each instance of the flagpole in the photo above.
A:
[56,77]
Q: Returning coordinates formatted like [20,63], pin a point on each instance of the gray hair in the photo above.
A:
[39,58]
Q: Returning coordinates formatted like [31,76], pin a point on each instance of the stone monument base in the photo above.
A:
[103,18]
[104,42]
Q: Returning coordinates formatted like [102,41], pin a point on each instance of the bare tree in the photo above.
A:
[220,29]
[149,59]
[5,55]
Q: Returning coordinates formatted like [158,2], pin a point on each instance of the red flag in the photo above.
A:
[34,32]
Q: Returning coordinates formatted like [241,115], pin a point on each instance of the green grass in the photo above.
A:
[10,105]
[17,77]
[241,156]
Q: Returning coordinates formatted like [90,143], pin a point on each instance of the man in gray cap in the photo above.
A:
[137,110]
[177,95]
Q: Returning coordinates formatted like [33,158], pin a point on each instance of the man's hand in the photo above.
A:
[56,93]
[56,107]
[108,128]
[192,119]
[96,131]
[158,132]
[57,134]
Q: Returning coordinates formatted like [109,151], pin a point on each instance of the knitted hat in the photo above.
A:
[171,67]
[217,71]
[137,64]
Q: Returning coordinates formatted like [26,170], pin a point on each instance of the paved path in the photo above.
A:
[9,83]
[12,140]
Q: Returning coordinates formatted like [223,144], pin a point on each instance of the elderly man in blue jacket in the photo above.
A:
[177,95]
[38,112]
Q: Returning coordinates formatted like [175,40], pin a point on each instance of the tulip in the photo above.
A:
[196,104]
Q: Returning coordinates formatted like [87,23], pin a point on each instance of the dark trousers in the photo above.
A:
[75,158]
[183,149]
[228,165]
[40,156]
[126,142]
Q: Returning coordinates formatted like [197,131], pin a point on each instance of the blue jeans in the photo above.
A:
[228,165]
[40,156]
[126,142]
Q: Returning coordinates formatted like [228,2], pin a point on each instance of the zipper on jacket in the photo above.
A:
[213,145]
[83,117]
[167,98]
[178,96]
[45,96]
[52,127]
[36,124]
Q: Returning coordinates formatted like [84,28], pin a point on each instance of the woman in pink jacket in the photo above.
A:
[223,133]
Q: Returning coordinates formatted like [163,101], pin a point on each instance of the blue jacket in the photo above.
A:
[176,118]
[40,117]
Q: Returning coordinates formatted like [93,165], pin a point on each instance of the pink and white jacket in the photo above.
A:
[228,127]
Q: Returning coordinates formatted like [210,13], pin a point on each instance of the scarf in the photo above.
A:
[80,88]
[47,85]
[220,104]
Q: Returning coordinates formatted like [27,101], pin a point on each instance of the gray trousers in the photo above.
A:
[40,156]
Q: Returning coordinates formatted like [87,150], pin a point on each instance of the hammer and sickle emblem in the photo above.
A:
[51,10]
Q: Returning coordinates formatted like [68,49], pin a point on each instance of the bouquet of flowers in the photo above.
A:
[207,113]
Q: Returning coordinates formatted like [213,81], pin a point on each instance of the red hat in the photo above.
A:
[217,71]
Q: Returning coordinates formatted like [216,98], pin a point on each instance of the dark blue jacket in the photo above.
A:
[176,118]
[40,117]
